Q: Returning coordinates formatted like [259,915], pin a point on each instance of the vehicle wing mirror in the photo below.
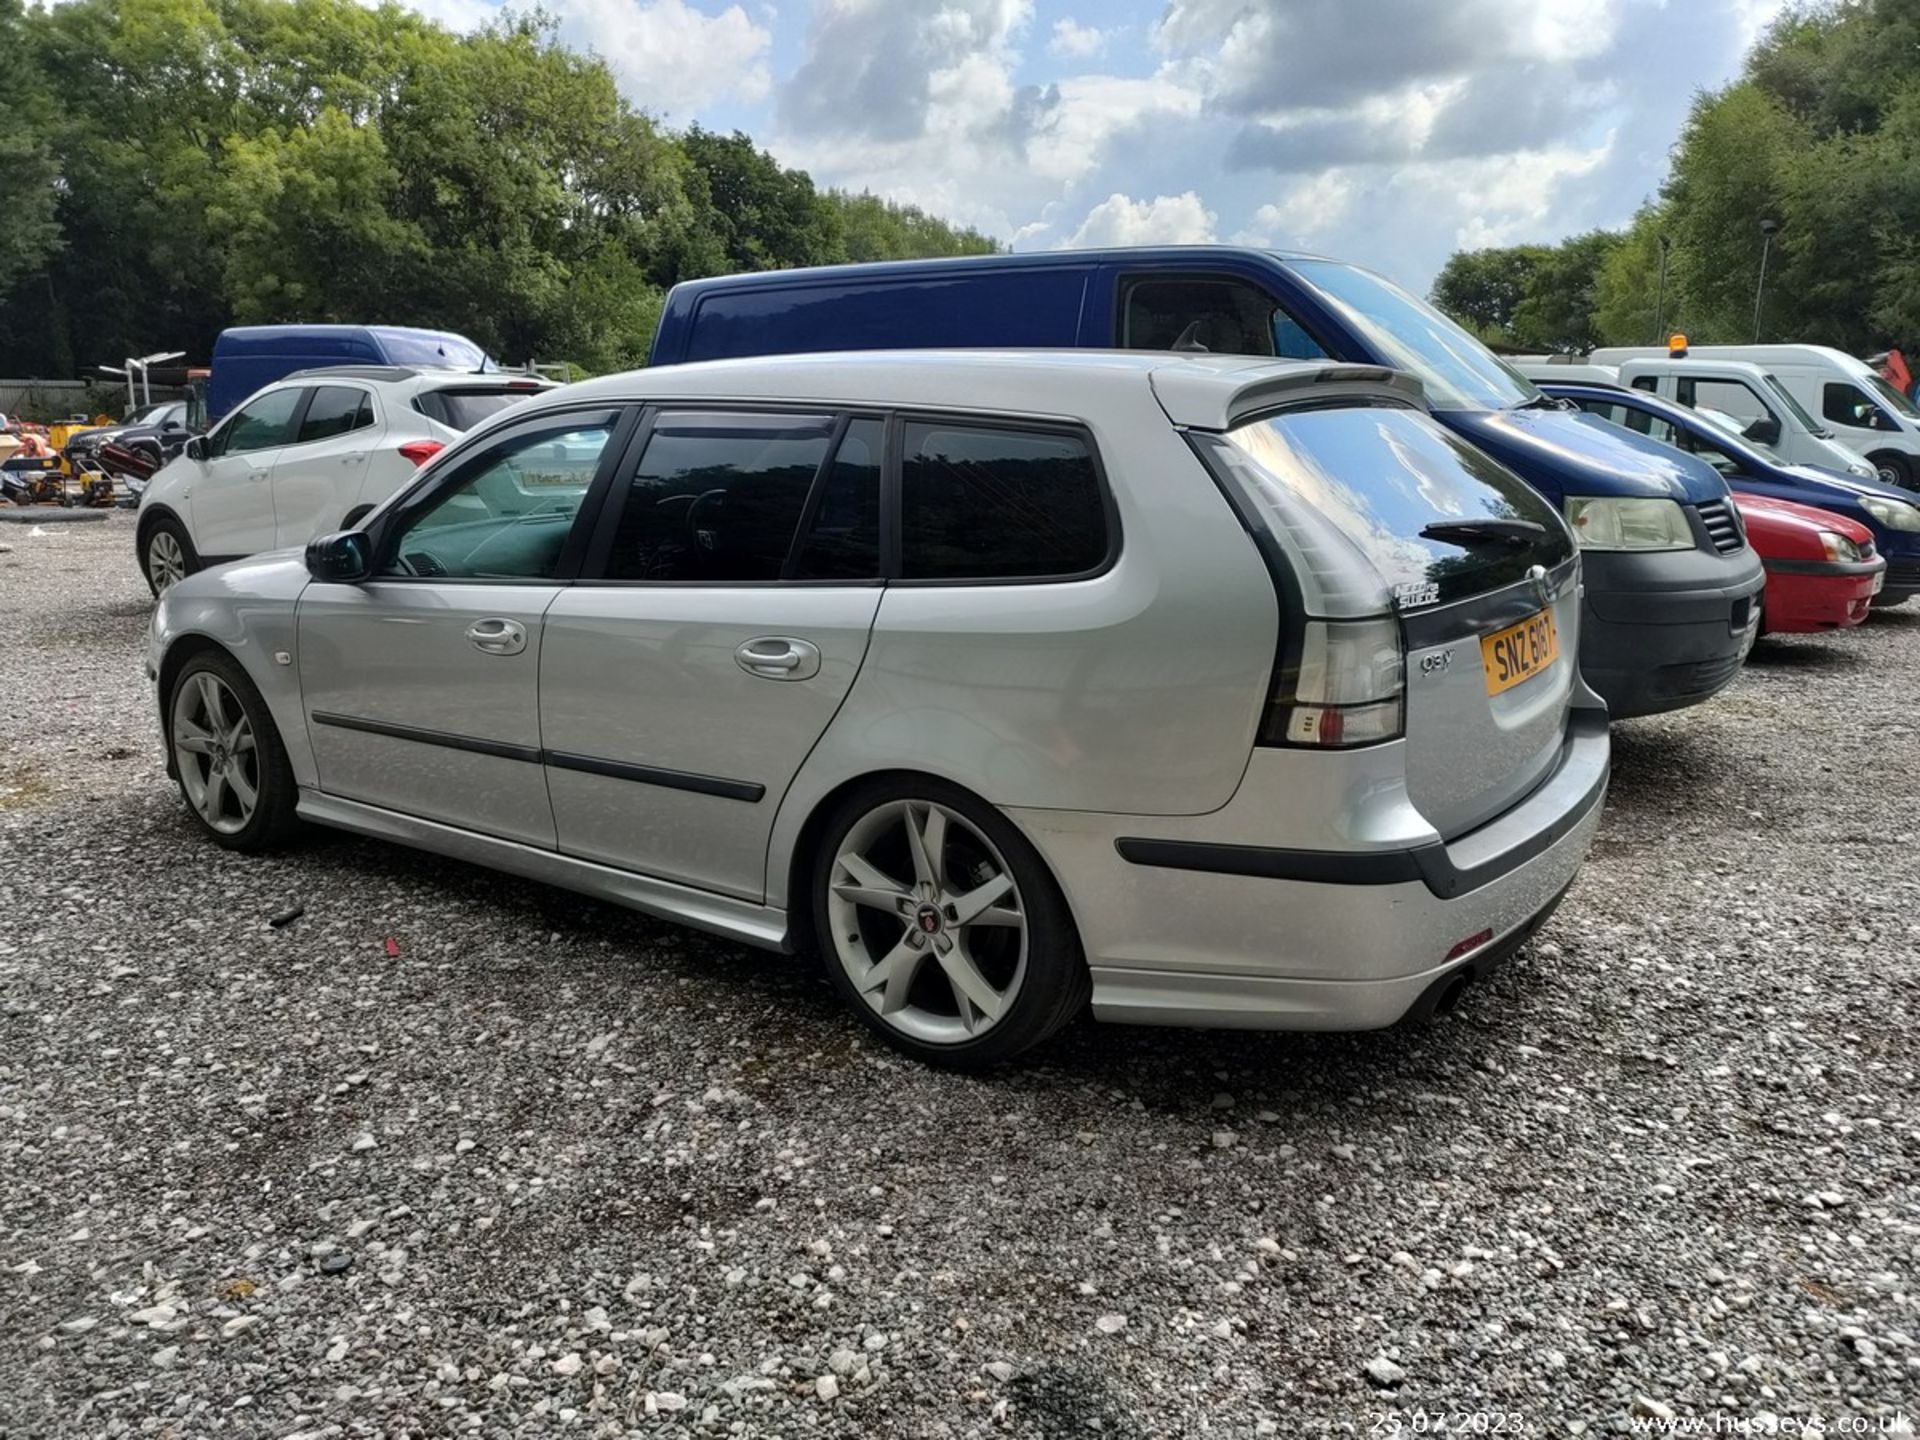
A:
[342,558]
[1766,430]
[197,448]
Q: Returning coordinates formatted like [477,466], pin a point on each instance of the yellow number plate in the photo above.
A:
[1519,652]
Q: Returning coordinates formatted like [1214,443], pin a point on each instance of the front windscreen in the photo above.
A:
[1900,403]
[446,352]
[1785,397]
[1459,372]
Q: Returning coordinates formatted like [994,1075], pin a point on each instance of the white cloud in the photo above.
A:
[1511,196]
[1074,41]
[1163,220]
[670,57]
[1311,209]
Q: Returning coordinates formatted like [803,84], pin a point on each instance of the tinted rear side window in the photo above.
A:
[986,503]
[718,497]
[464,409]
[843,540]
[1398,488]
[334,410]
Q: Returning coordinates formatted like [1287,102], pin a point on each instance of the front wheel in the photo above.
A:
[232,768]
[1894,468]
[941,927]
[166,555]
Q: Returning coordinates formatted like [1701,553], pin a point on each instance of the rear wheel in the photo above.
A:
[232,768]
[941,927]
[1894,468]
[166,555]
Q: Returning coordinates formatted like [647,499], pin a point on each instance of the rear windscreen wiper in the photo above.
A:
[1500,532]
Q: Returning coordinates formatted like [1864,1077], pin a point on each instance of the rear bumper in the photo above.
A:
[1196,931]
[1666,629]
[1808,596]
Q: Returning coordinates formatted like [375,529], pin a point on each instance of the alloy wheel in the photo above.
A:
[940,956]
[216,750]
[166,561]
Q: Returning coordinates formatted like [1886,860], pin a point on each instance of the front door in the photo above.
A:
[723,616]
[421,684]
[232,500]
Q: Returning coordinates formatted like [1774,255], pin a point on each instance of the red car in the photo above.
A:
[1822,570]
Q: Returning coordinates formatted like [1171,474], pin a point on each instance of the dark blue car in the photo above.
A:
[1671,584]
[1884,509]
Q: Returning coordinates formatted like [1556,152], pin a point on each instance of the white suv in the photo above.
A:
[305,455]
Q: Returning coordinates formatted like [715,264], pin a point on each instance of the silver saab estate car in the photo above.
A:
[1218,691]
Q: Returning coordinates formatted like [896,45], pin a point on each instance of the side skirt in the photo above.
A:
[741,920]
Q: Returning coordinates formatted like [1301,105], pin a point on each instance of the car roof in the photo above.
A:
[440,375]
[1205,391]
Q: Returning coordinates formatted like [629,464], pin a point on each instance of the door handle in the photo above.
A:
[498,637]
[779,657]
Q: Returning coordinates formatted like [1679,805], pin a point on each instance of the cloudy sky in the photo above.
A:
[1385,131]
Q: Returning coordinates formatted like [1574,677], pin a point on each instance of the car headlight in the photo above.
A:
[1605,523]
[1839,547]
[1894,514]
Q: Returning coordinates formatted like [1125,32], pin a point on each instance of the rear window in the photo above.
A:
[1393,488]
[464,409]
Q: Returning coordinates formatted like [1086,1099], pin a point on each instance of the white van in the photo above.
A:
[1865,414]
[1751,402]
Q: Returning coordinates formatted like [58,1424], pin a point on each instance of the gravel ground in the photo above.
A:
[454,1154]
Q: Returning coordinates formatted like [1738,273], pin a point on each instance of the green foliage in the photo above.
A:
[1483,288]
[1821,134]
[212,162]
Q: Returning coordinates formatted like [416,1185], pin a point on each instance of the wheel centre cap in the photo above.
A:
[929,919]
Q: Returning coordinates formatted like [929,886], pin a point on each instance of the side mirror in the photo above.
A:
[342,558]
[197,448]
[1766,430]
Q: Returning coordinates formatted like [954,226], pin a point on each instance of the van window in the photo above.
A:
[980,502]
[1459,372]
[1631,417]
[334,410]
[843,540]
[1228,317]
[718,497]
[1388,482]
[260,424]
[1729,397]
[1846,404]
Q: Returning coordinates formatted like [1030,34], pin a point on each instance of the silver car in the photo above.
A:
[1216,691]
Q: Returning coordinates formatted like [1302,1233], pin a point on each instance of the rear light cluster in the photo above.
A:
[1344,686]
[421,451]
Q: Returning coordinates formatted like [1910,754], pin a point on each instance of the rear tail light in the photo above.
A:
[421,451]
[1344,686]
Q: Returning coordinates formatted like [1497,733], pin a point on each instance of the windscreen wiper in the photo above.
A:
[1522,533]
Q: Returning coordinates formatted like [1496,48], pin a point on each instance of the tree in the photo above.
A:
[1557,311]
[1482,289]
[1627,307]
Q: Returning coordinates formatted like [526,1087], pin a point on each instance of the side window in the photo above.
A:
[1650,383]
[505,514]
[1229,317]
[718,497]
[334,410]
[843,541]
[1846,404]
[983,502]
[1629,417]
[1729,397]
[260,424]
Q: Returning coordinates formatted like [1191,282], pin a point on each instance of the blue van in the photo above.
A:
[247,357]
[1672,587]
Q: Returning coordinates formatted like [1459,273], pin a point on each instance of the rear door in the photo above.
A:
[1482,575]
[320,472]
[232,499]
[725,611]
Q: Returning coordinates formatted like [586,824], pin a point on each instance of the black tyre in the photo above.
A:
[227,755]
[1894,468]
[167,556]
[940,925]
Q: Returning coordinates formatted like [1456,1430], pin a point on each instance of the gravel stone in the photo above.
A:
[1723,1007]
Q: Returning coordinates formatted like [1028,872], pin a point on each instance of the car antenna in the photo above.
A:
[1189,340]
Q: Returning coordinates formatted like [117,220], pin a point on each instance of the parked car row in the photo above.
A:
[935,618]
